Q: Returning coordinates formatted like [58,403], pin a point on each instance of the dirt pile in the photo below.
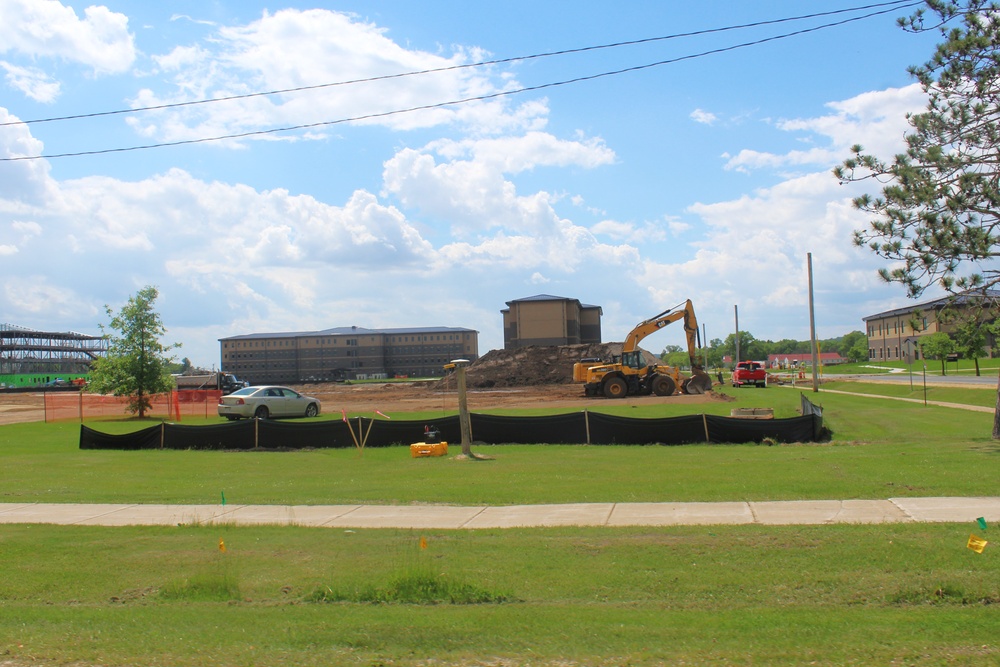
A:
[536,365]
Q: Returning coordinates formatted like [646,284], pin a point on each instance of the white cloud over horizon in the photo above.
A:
[470,206]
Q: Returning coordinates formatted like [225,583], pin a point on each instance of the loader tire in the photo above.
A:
[615,388]
[663,385]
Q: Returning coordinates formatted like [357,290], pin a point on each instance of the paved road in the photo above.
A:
[964,379]
[449,517]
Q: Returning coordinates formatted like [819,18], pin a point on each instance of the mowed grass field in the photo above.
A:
[791,595]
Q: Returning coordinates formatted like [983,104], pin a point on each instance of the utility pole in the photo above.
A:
[704,347]
[812,327]
[736,313]
[464,419]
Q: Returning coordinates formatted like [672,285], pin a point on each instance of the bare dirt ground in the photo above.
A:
[404,397]
[17,408]
[528,377]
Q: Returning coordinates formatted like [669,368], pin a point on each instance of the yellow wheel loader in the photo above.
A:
[631,376]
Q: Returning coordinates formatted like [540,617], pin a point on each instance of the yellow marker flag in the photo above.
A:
[423,542]
[222,546]
[977,544]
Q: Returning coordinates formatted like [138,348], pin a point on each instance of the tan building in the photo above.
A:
[346,353]
[894,335]
[550,320]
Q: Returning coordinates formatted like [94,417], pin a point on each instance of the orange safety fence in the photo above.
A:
[174,406]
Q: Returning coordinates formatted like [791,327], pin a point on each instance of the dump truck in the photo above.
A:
[227,383]
[631,376]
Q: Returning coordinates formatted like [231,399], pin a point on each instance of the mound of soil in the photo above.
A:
[536,365]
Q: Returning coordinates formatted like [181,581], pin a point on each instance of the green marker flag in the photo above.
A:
[982,523]
[223,497]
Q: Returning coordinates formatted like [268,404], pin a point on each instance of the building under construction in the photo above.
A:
[30,358]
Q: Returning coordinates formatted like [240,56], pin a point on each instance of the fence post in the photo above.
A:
[163,428]
[256,423]
[586,424]
[704,421]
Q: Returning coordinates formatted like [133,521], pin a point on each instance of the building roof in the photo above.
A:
[549,297]
[935,304]
[347,331]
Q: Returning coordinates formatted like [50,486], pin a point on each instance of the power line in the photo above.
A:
[895,4]
[891,6]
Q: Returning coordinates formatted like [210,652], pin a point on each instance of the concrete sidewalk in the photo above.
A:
[449,517]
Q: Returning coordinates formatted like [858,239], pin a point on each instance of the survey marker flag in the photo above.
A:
[977,544]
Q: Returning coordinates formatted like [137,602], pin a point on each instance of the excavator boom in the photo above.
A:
[657,322]
[633,376]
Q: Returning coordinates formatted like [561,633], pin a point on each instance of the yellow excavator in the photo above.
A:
[631,376]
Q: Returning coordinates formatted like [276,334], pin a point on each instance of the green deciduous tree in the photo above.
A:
[937,217]
[136,364]
[750,348]
[937,346]
[854,347]
[970,341]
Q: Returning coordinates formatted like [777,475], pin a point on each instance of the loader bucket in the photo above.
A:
[698,383]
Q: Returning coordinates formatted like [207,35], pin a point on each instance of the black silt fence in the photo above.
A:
[572,428]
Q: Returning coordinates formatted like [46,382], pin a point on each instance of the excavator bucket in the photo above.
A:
[698,383]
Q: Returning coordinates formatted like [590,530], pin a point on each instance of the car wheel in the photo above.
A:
[261,412]
[312,410]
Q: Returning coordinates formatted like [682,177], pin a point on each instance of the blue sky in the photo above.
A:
[705,178]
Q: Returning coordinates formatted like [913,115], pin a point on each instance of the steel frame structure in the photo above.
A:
[24,350]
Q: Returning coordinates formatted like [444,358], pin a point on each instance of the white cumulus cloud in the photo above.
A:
[49,29]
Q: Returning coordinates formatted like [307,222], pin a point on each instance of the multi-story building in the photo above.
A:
[894,335]
[346,353]
[550,320]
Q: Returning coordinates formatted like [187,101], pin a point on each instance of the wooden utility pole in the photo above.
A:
[464,422]
[736,312]
[812,327]
[463,407]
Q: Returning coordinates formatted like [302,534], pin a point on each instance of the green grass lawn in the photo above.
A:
[962,367]
[826,595]
[981,396]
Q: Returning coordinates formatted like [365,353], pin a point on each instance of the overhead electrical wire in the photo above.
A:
[894,4]
[887,7]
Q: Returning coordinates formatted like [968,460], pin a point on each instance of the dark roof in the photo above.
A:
[935,304]
[542,297]
[347,331]
[549,297]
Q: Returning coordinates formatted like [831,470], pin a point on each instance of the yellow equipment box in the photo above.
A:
[421,449]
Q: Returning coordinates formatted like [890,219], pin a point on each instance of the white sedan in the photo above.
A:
[267,401]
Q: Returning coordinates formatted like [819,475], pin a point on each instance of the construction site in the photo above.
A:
[30,358]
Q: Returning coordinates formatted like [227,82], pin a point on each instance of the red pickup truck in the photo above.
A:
[749,372]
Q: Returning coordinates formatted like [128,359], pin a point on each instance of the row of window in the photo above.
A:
[293,342]
[880,354]
[898,327]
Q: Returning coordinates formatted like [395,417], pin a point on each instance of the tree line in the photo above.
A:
[852,347]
